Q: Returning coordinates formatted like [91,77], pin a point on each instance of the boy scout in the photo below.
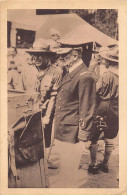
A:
[107,96]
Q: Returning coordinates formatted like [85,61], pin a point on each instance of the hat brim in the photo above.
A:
[73,42]
[37,51]
[110,59]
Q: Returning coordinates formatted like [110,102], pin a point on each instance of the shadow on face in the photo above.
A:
[40,59]
[53,58]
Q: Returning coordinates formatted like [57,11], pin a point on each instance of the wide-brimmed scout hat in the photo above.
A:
[110,54]
[40,46]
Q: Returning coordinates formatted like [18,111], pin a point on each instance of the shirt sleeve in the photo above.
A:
[87,104]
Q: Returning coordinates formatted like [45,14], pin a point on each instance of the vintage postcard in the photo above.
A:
[63,97]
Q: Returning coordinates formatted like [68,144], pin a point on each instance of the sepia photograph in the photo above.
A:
[63,98]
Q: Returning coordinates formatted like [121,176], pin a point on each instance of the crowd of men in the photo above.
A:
[79,108]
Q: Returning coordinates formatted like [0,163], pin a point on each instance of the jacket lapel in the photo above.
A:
[68,77]
[74,72]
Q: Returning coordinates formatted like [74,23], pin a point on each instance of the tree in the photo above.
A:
[104,20]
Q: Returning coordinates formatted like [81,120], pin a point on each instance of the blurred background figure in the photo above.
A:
[15,70]
[12,52]
[15,78]
[54,34]
[53,42]
[97,64]
[30,73]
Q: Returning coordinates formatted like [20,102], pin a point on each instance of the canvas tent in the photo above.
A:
[75,29]
[70,26]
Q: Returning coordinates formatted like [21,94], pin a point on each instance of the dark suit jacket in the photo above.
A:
[75,106]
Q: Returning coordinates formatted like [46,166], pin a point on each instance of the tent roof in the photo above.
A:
[70,26]
[86,33]
[74,29]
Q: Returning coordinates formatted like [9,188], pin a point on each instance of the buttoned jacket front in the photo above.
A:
[75,106]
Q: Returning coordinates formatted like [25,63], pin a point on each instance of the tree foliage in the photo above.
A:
[104,20]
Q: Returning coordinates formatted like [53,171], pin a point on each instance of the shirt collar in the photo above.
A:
[75,66]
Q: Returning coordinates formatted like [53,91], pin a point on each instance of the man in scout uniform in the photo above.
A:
[107,95]
[75,107]
[48,79]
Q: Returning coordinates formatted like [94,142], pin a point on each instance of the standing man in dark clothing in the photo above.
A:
[75,107]
[107,96]
[75,102]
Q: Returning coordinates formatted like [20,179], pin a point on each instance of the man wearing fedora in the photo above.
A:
[107,101]
[74,113]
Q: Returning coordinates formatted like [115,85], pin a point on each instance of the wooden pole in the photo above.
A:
[43,162]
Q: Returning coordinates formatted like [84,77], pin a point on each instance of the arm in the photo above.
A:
[87,103]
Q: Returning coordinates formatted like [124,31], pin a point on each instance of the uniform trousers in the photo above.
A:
[109,146]
[70,155]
